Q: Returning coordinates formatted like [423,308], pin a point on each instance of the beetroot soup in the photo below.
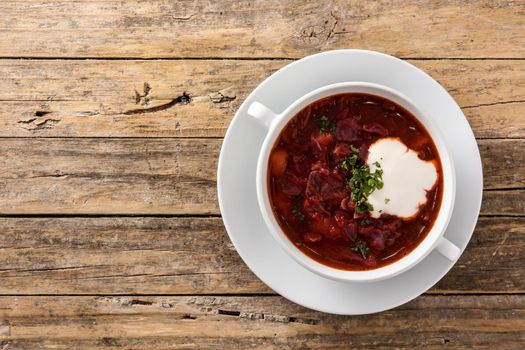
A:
[355,181]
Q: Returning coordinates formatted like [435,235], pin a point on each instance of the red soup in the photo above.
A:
[319,182]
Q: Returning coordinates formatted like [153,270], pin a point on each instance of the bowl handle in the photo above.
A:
[263,114]
[448,249]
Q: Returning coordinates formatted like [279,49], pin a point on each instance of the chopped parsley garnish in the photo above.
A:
[349,162]
[362,181]
[387,200]
[297,208]
[297,213]
[326,125]
[361,248]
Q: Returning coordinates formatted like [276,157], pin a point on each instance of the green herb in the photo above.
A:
[361,248]
[326,125]
[387,200]
[349,162]
[362,183]
[297,213]
[298,244]
[365,222]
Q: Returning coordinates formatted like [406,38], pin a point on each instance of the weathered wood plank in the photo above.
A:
[503,202]
[291,28]
[496,155]
[108,176]
[429,322]
[41,98]
[120,255]
[169,176]
[195,256]
[497,253]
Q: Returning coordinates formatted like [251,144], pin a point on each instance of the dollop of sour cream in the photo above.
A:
[406,178]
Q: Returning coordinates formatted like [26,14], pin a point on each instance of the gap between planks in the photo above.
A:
[429,293]
[234,58]
[189,216]
[183,137]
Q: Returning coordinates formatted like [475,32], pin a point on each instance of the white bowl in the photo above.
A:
[274,124]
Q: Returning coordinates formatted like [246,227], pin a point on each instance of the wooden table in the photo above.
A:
[112,115]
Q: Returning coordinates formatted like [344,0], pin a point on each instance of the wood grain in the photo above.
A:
[108,176]
[232,28]
[429,322]
[195,256]
[94,125]
[503,202]
[65,98]
[169,176]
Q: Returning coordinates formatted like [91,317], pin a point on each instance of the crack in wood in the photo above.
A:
[27,121]
[222,96]
[268,317]
[109,342]
[143,98]
[51,269]
[147,275]
[332,30]
[57,176]
[150,303]
[34,124]
[229,313]
[41,113]
[320,32]
[493,104]
[187,18]
[180,100]
[188,317]
[123,301]
[187,179]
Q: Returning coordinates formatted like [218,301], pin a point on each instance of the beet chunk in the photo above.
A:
[312,237]
[291,185]
[327,227]
[325,186]
[315,208]
[376,240]
[348,130]
[300,164]
[321,143]
[324,190]
[374,128]
[347,225]
[341,151]
[347,205]
[370,261]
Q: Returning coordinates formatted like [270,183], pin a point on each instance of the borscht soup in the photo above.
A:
[355,181]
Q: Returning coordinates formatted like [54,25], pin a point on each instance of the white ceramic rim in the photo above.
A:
[417,254]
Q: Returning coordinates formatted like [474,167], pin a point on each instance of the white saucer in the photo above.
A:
[237,195]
